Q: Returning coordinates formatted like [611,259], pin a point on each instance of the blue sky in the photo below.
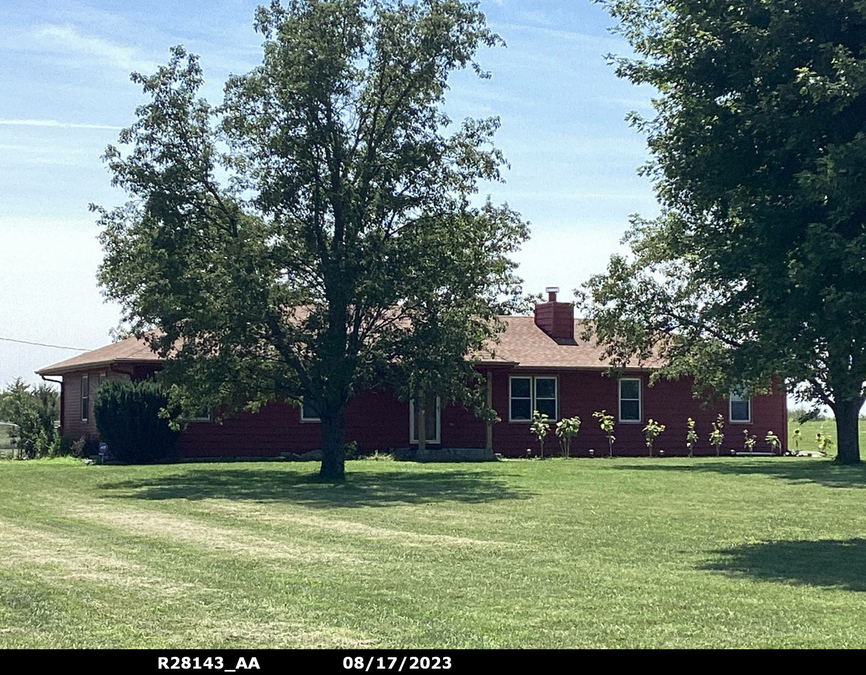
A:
[64,78]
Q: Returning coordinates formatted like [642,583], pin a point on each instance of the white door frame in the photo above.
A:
[434,441]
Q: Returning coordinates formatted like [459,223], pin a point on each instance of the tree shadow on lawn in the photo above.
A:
[821,471]
[360,489]
[831,563]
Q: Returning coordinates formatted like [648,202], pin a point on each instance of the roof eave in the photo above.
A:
[51,370]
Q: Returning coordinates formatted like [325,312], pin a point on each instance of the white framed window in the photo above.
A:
[85,397]
[309,413]
[739,408]
[630,403]
[432,420]
[202,415]
[527,393]
[546,399]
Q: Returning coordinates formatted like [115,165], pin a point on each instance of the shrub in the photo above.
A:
[651,432]
[773,441]
[717,436]
[691,436]
[129,420]
[605,421]
[540,427]
[749,441]
[565,430]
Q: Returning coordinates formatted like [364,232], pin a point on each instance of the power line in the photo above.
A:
[42,344]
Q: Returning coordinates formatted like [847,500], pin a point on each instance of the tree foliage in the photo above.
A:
[755,266]
[35,412]
[317,233]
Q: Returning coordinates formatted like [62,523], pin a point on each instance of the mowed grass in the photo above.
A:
[555,553]
[827,427]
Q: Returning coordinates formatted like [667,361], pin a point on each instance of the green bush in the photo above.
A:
[129,421]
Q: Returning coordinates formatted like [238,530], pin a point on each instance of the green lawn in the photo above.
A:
[826,427]
[603,553]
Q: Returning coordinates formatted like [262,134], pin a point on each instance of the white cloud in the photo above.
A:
[57,124]
[69,39]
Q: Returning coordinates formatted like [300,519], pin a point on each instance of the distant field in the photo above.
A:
[826,427]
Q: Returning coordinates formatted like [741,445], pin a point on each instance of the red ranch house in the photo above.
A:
[540,364]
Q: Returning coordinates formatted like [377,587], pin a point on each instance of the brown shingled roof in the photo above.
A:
[129,350]
[525,345]
[522,344]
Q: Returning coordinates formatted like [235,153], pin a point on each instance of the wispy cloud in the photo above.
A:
[535,16]
[71,39]
[606,44]
[57,124]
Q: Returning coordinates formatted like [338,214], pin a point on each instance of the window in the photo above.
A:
[202,415]
[431,420]
[85,397]
[740,408]
[528,393]
[629,399]
[545,396]
[521,399]
[100,379]
[308,412]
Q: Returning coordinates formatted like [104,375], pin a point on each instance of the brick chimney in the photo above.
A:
[555,318]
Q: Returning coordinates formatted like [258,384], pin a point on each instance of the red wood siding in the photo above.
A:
[378,421]
[671,403]
[71,421]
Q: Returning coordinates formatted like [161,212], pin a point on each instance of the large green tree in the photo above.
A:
[757,263]
[317,233]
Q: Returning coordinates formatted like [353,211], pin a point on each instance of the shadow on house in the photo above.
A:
[360,489]
[828,563]
[821,471]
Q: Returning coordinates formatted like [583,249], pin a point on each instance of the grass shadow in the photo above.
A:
[821,471]
[270,483]
[829,563]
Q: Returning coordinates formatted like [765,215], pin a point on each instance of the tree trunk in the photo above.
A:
[333,451]
[421,414]
[847,431]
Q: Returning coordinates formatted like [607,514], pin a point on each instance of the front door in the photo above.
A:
[432,420]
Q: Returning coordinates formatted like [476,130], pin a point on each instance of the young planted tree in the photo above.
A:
[606,423]
[540,427]
[749,441]
[798,435]
[316,233]
[773,442]
[691,436]
[566,429]
[651,432]
[717,435]
[757,264]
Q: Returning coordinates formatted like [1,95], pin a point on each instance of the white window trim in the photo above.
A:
[731,419]
[619,399]
[85,407]
[438,439]
[532,402]
[307,420]
[207,418]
